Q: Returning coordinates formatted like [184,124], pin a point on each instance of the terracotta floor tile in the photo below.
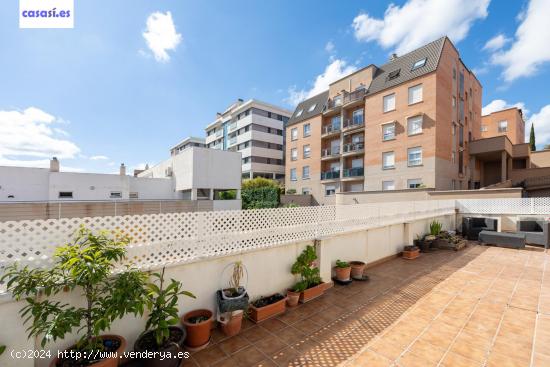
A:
[233,344]
[307,326]
[386,349]
[255,333]
[285,357]
[371,359]
[427,352]
[541,360]
[273,325]
[270,345]
[249,356]
[209,356]
[289,335]
[514,350]
[500,360]
[469,349]
[456,360]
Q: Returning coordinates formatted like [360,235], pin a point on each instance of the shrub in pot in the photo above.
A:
[161,333]
[343,270]
[233,299]
[86,265]
[310,280]
[267,307]
[198,326]
[293,294]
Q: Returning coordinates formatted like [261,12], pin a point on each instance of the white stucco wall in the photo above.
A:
[25,184]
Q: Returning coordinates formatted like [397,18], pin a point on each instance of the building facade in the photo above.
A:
[188,142]
[256,130]
[403,125]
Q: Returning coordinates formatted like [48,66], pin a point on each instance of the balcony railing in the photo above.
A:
[330,175]
[334,102]
[232,126]
[232,141]
[351,123]
[354,172]
[329,129]
[354,96]
[354,147]
[330,152]
[219,133]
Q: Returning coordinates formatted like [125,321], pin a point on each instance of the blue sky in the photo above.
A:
[103,93]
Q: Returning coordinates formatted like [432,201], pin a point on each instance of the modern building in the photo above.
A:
[188,142]
[405,124]
[507,122]
[256,130]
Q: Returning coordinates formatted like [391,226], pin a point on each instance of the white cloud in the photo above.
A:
[31,134]
[99,158]
[329,47]
[496,43]
[337,69]
[542,126]
[161,35]
[530,47]
[418,22]
[500,104]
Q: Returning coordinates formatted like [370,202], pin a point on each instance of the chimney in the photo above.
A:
[122,169]
[54,165]
[393,57]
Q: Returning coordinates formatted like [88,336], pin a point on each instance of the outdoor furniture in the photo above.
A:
[503,239]
[472,226]
[536,231]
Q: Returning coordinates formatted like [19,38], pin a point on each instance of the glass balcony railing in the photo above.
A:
[232,126]
[354,172]
[233,141]
[329,129]
[355,122]
[330,175]
[354,147]
[355,95]
[330,152]
[219,133]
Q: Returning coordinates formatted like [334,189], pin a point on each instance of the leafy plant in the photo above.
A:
[342,264]
[227,195]
[259,192]
[291,205]
[2,349]
[163,305]
[291,191]
[435,228]
[305,267]
[259,182]
[87,264]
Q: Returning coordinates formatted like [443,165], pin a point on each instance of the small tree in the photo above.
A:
[532,141]
[305,267]
[87,264]
[260,193]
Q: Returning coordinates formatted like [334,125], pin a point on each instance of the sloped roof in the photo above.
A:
[319,101]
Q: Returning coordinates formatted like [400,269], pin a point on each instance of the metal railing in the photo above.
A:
[330,175]
[330,152]
[354,147]
[354,96]
[351,123]
[354,172]
[329,129]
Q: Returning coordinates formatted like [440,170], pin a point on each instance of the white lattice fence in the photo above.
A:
[533,206]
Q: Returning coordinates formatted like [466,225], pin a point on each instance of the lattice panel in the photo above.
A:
[533,206]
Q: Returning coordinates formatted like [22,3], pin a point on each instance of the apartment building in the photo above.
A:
[256,130]
[188,142]
[403,125]
[507,122]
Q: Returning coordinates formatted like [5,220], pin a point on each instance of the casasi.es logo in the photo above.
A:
[46,13]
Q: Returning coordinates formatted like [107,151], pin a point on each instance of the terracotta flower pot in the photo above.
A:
[411,254]
[343,274]
[312,293]
[107,362]
[198,334]
[232,326]
[357,269]
[258,314]
[292,298]
[143,343]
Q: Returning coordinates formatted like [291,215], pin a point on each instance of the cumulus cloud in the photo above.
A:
[529,49]
[418,22]
[30,138]
[329,47]
[496,43]
[500,104]
[161,35]
[99,158]
[541,120]
[337,69]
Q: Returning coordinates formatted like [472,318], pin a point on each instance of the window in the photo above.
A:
[454,73]
[415,94]
[389,102]
[388,160]
[453,157]
[335,122]
[65,194]
[293,174]
[388,131]
[394,74]
[414,125]
[293,154]
[294,134]
[414,156]
[134,195]
[388,185]
[307,151]
[454,102]
[305,172]
[414,183]
[307,130]
[484,128]
[299,113]
[115,195]
[454,129]
[461,162]
[358,116]
[330,190]
[502,126]
[312,107]
[419,64]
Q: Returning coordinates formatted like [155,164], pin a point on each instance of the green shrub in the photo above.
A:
[258,182]
[342,264]
[261,197]
[291,191]
[227,195]
[306,268]
[435,228]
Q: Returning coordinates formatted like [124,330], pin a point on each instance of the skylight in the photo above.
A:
[312,107]
[419,64]
[299,113]
[394,74]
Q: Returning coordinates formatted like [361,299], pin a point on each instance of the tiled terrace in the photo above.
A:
[482,306]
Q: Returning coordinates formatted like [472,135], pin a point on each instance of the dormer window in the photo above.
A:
[299,113]
[394,74]
[419,64]
[312,107]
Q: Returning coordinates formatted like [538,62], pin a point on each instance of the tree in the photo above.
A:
[532,142]
[260,193]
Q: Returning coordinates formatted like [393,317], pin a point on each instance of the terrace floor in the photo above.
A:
[482,306]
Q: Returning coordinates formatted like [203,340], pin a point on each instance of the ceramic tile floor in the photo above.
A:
[482,306]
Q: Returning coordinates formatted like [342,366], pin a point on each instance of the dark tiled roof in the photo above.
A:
[319,101]
[431,51]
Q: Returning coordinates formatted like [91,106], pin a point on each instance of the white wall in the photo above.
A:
[87,186]
[153,188]
[25,184]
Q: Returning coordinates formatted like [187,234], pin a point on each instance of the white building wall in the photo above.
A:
[24,184]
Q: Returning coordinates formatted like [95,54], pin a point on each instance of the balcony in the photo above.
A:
[330,175]
[330,130]
[232,126]
[354,173]
[354,98]
[232,141]
[353,124]
[334,106]
[219,133]
[354,148]
[330,153]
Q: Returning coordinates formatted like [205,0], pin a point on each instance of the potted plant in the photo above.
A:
[233,299]
[310,284]
[435,229]
[343,270]
[161,333]
[86,264]
[417,242]
[357,269]
[266,307]
[293,294]
[411,252]
[198,326]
